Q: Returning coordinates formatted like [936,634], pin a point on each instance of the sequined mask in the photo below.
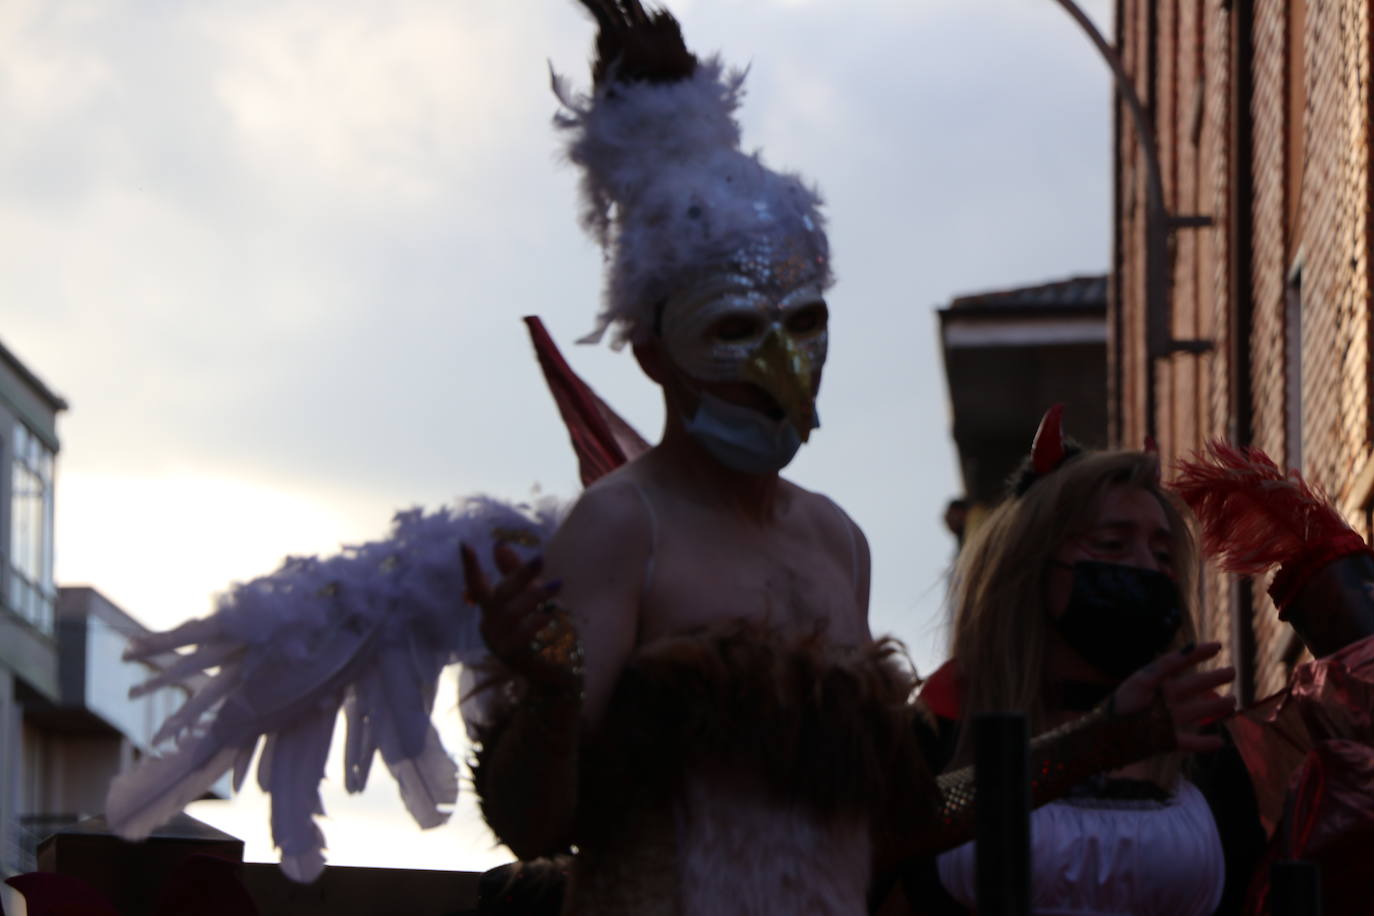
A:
[761,320]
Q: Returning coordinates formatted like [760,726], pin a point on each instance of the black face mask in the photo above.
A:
[1120,617]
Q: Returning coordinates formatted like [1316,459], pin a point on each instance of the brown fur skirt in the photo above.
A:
[742,736]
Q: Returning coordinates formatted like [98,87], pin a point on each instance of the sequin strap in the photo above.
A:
[1059,760]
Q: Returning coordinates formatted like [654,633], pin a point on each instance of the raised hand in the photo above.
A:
[1187,693]
[522,624]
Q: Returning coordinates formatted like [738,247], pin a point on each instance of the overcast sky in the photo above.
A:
[275,253]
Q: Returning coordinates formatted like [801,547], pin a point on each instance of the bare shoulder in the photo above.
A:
[842,537]
[610,513]
[822,512]
[598,558]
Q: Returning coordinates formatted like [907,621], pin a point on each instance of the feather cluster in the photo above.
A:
[1254,516]
[367,631]
[817,721]
[633,44]
[666,190]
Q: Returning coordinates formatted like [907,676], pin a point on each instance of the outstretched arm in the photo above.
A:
[586,599]
[1158,709]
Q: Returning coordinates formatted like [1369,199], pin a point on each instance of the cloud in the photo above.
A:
[391,106]
[288,241]
[275,253]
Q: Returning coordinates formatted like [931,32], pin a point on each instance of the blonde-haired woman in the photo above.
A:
[1082,575]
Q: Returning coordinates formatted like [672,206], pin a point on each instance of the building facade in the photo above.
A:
[1259,111]
[28,595]
[67,724]
[1009,354]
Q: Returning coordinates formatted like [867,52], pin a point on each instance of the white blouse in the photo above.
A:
[1104,857]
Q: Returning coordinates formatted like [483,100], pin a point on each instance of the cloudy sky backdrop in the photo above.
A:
[274,253]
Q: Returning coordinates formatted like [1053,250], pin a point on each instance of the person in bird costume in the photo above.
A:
[674,678]
[724,735]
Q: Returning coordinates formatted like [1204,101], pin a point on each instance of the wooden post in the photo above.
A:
[1002,821]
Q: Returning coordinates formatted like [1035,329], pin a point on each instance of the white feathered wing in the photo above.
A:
[368,631]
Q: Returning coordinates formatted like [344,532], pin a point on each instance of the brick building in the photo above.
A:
[1260,112]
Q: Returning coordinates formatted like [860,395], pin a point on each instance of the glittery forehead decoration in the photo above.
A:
[777,263]
[773,254]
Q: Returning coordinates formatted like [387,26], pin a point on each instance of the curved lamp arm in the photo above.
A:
[1159,341]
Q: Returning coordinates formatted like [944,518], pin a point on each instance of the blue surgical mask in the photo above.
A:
[741,438]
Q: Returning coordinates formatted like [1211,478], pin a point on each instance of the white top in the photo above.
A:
[1102,857]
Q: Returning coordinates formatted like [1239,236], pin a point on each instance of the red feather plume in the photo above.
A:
[1253,515]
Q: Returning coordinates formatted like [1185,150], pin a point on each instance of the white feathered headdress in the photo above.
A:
[666,189]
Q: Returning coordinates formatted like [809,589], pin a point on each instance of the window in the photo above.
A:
[1292,375]
[31,593]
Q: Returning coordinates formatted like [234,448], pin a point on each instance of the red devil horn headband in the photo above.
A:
[1047,451]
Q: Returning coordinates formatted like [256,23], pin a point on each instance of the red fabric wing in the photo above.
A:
[602,440]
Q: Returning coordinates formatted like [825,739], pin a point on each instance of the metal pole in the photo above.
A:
[1002,819]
